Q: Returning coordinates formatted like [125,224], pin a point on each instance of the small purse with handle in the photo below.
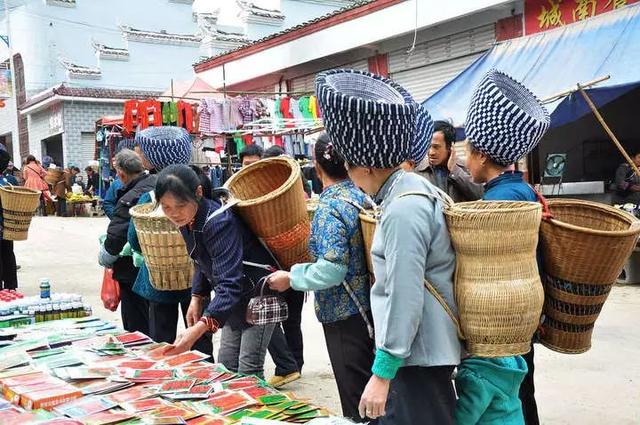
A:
[266,309]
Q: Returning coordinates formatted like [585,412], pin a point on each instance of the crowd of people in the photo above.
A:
[393,347]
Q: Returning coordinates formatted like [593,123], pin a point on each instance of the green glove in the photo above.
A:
[101,239]
[138,259]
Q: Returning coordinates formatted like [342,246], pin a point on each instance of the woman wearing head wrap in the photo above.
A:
[505,122]
[372,122]
[160,147]
[338,277]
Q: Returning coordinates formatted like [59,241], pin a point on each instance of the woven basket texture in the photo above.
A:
[19,205]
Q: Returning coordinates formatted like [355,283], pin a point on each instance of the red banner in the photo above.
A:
[543,15]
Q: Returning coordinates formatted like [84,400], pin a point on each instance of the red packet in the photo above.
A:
[137,364]
[132,338]
[107,418]
[225,402]
[130,394]
[150,374]
[205,374]
[174,411]
[209,420]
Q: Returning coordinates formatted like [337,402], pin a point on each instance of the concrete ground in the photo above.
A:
[601,386]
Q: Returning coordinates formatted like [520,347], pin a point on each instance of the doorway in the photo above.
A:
[52,146]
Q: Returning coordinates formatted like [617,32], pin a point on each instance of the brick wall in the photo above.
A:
[39,125]
[81,117]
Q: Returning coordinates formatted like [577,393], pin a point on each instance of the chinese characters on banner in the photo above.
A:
[543,15]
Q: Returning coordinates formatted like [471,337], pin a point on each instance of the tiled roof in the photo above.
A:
[227,36]
[91,92]
[161,37]
[356,4]
[80,71]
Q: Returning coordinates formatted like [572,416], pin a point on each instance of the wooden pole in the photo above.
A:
[607,129]
[573,90]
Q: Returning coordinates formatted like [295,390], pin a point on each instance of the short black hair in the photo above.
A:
[180,181]
[273,151]
[205,182]
[447,129]
[29,159]
[328,158]
[251,150]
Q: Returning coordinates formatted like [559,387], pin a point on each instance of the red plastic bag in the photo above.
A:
[110,293]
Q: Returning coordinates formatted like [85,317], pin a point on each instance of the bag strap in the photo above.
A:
[361,309]
[446,199]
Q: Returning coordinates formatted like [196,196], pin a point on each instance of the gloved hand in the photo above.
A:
[126,250]
[138,259]
[105,259]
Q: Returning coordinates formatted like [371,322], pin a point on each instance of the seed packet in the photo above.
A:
[78,373]
[170,420]
[185,358]
[85,406]
[225,402]
[143,405]
[209,420]
[177,386]
[107,418]
[19,358]
[137,364]
[174,411]
[150,374]
[131,394]
[133,338]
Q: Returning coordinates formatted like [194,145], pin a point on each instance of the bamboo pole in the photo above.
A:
[573,90]
[607,129]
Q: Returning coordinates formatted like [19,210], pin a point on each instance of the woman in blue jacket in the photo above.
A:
[489,389]
[220,244]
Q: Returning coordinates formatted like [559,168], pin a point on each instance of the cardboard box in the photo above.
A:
[48,399]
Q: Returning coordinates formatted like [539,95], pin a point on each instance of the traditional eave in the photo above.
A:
[75,71]
[336,3]
[162,37]
[111,53]
[181,1]
[253,14]
[61,3]
[82,94]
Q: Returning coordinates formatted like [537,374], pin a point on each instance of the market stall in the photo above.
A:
[84,370]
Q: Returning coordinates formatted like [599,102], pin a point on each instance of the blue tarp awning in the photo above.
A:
[554,61]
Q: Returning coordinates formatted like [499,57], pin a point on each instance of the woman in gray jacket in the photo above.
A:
[372,122]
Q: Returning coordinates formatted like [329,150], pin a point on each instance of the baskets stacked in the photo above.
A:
[271,202]
[497,284]
[19,205]
[163,248]
[585,247]
[54,175]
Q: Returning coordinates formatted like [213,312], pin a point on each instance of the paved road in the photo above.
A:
[599,387]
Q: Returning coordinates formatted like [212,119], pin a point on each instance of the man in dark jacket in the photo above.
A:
[134,309]
[627,183]
[442,169]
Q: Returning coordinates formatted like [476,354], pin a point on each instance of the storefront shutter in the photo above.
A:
[307,83]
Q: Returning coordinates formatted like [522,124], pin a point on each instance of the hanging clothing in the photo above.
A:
[235,116]
[169,113]
[185,115]
[149,114]
[237,139]
[313,106]
[204,118]
[216,176]
[303,105]
[246,110]
[295,109]
[247,139]
[285,109]
[130,120]
[288,144]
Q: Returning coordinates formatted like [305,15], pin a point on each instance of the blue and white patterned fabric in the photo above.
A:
[424,132]
[505,120]
[164,146]
[126,144]
[370,119]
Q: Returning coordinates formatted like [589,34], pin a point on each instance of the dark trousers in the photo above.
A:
[61,207]
[421,395]
[163,325]
[286,341]
[351,352]
[134,310]
[8,268]
[527,392]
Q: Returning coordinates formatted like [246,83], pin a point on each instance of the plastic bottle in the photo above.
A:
[45,288]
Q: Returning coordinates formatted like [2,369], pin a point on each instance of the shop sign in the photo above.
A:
[55,121]
[543,15]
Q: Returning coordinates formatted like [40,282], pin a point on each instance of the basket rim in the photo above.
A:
[135,213]
[293,176]
[517,206]
[16,189]
[634,226]
[368,218]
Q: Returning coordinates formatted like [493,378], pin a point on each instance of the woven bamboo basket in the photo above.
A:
[163,248]
[368,227]
[19,205]
[497,285]
[53,176]
[271,202]
[585,247]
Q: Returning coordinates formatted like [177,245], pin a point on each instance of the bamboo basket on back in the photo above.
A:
[497,284]
[368,228]
[19,205]
[271,202]
[164,250]
[585,247]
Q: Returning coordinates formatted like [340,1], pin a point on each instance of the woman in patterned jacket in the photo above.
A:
[339,278]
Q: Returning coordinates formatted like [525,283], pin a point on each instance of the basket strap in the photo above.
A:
[361,309]
[433,291]
[440,195]
[546,211]
[223,208]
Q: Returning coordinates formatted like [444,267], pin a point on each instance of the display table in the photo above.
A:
[87,371]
